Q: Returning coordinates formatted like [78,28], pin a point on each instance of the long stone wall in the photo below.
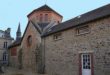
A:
[62,56]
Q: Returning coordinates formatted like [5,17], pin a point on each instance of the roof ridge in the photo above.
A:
[43,7]
[95,14]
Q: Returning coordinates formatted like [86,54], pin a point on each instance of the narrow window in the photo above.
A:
[37,17]
[5,45]
[46,17]
[5,56]
[29,40]
[58,22]
[41,17]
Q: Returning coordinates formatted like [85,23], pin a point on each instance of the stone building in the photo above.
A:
[79,46]
[5,41]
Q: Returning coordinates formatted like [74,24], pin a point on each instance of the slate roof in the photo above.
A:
[44,7]
[1,31]
[42,25]
[15,43]
[82,19]
[79,20]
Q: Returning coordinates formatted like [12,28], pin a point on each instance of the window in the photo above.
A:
[57,36]
[29,40]
[41,17]
[46,17]
[4,56]
[13,52]
[58,22]
[86,61]
[83,30]
[5,45]
[37,17]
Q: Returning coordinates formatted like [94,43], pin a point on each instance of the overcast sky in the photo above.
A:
[14,11]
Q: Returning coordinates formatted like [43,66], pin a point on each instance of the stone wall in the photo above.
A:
[62,56]
[29,58]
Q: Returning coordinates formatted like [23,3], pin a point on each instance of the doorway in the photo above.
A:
[86,64]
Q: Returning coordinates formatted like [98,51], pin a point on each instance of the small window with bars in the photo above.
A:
[83,30]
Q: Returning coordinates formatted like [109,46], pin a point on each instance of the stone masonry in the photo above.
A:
[62,56]
[29,52]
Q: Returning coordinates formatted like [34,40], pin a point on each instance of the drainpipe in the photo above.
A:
[43,55]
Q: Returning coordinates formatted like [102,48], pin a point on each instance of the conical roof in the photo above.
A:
[19,29]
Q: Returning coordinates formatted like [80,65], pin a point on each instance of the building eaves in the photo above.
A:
[80,20]
[15,43]
[27,27]
[37,27]
[42,25]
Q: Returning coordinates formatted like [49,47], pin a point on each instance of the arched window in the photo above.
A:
[41,17]
[29,40]
[46,17]
[58,22]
